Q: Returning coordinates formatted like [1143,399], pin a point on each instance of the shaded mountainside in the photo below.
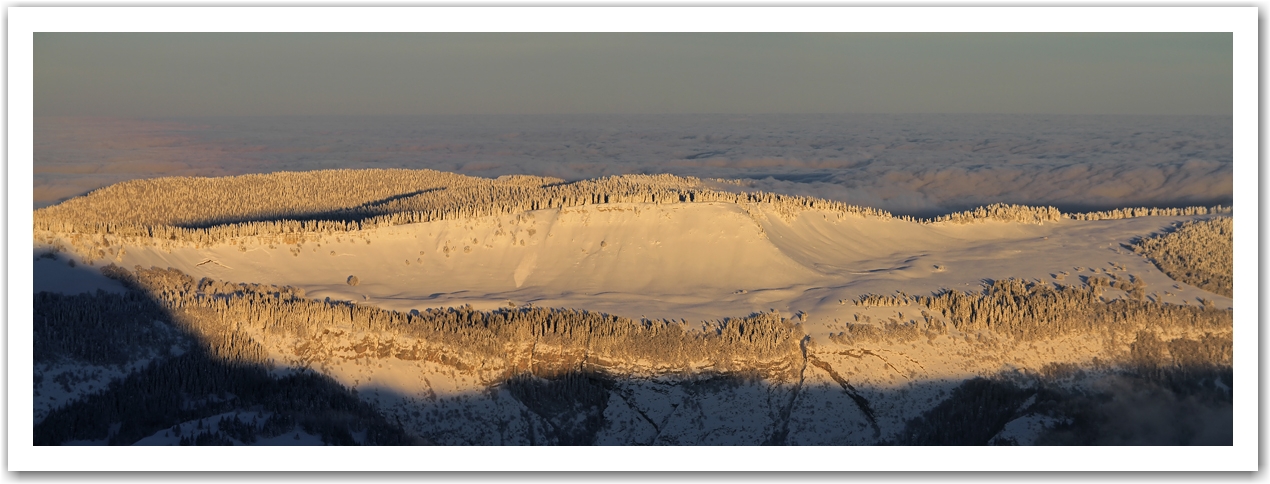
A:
[193,386]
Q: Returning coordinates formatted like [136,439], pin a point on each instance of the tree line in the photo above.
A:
[1199,253]
[238,321]
[1032,310]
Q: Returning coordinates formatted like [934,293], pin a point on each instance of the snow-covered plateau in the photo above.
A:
[418,307]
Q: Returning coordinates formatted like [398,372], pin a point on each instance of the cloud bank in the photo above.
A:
[908,164]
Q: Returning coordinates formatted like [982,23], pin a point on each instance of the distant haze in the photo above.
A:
[260,74]
[906,163]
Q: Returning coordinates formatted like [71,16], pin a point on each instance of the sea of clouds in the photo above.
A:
[908,164]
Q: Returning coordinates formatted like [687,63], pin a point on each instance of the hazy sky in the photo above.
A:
[111,74]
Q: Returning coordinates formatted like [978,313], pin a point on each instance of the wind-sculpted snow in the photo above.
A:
[921,165]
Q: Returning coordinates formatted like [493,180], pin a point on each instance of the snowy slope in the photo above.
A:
[693,261]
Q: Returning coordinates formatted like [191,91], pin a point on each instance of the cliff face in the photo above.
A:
[543,376]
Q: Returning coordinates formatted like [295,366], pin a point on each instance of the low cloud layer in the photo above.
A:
[908,164]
